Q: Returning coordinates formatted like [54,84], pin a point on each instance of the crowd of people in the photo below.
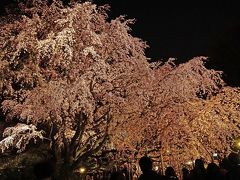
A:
[227,169]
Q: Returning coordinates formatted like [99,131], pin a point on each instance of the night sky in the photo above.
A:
[185,30]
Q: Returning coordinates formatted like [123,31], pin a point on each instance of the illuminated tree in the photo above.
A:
[217,123]
[210,126]
[83,85]
[70,73]
[190,114]
[175,91]
[169,101]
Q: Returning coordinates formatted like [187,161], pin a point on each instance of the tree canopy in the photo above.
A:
[81,83]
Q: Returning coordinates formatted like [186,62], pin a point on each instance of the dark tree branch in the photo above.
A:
[81,125]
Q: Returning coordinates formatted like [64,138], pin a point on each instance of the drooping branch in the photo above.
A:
[19,137]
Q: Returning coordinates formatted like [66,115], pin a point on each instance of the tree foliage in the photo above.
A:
[67,70]
[86,82]
[163,124]
[19,136]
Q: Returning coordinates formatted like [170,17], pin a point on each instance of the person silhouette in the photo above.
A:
[199,171]
[213,172]
[234,172]
[145,164]
[185,174]
[170,173]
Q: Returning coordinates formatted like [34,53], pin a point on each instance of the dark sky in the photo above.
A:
[186,30]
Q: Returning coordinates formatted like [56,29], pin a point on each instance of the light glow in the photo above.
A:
[82,170]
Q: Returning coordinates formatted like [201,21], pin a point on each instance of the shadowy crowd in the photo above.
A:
[227,169]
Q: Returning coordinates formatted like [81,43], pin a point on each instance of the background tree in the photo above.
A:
[218,119]
[169,124]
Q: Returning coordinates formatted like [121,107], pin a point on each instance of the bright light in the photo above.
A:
[156,168]
[189,163]
[238,144]
[82,170]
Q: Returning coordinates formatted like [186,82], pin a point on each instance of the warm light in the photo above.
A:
[238,144]
[156,168]
[189,163]
[82,170]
